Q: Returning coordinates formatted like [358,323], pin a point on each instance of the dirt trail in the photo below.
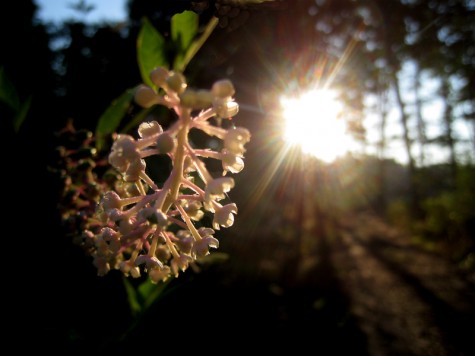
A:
[406,301]
[359,288]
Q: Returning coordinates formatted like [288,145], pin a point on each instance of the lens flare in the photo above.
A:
[312,122]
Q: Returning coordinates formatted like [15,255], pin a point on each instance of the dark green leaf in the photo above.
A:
[132,297]
[182,61]
[8,93]
[150,292]
[21,114]
[145,289]
[151,52]
[111,118]
[184,27]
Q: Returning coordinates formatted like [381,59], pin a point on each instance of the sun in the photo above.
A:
[311,121]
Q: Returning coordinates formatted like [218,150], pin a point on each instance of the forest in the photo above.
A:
[371,252]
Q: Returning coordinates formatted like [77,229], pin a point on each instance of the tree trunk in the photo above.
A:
[381,180]
[449,134]
[421,130]
[393,67]
[411,165]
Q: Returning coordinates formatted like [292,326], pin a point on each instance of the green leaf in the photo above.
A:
[21,114]
[132,297]
[182,61]
[111,118]
[151,51]
[184,27]
[8,93]
[150,292]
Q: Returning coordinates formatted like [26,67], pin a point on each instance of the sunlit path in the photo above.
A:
[407,300]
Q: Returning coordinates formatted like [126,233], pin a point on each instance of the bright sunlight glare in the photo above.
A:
[311,121]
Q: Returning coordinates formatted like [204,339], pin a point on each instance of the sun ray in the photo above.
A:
[312,122]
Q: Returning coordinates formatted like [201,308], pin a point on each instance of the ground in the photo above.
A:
[356,285]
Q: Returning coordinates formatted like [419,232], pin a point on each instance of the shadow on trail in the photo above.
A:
[429,307]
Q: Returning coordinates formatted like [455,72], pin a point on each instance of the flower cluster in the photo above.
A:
[158,229]
[84,176]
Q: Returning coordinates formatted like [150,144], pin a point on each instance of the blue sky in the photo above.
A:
[104,10]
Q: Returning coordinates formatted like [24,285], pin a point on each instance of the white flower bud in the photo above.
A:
[188,98]
[205,232]
[114,244]
[196,99]
[201,248]
[216,189]
[87,238]
[101,246]
[165,143]
[115,215]
[111,200]
[146,96]
[128,268]
[185,241]
[224,216]
[176,82]
[163,253]
[193,209]
[132,174]
[223,88]
[225,109]
[135,272]
[150,262]
[108,234]
[180,263]
[125,226]
[147,129]
[235,140]
[219,186]
[123,152]
[231,162]
[159,76]
[159,274]
[204,99]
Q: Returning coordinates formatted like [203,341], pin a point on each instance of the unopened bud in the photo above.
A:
[146,96]
[176,82]
[204,99]
[147,129]
[165,143]
[188,98]
[159,76]
[223,88]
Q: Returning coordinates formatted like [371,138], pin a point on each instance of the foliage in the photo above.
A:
[112,117]
[10,97]
[152,52]
[450,216]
